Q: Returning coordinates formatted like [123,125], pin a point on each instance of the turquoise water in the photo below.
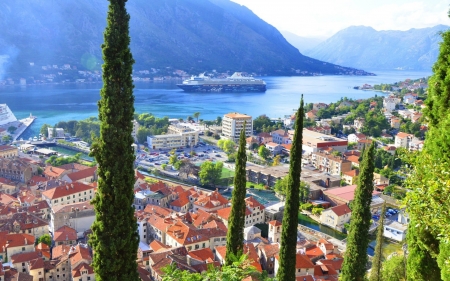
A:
[63,102]
[70,152]
[306,221]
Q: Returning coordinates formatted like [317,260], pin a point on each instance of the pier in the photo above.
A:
[21,126]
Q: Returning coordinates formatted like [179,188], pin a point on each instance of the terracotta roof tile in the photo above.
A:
[53,172]
[80,175]
[204,255]
[66,189]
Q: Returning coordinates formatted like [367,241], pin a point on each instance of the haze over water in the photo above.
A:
[64,102]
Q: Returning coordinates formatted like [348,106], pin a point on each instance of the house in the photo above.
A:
[336,217]
[249,250]
[390,149]
[358,123]
[274,232]
[79,216]
[390,102]
[350,176]
[409,98]
[65,235]
[303,265]
[86,175]
[15,169]
[210,202]
[250,141]
[319,106]
[24,222]
[345,195]
[394,230]
[181,204]
[254,213]
[380,179]
[329,163]
[274,148]
[415,117]
[395,122]
[68,193]
[267,253]
[361,144]
[280,137]
[264,138]
[51,172]
[311,115]
[403,140]
[286,149]
[14,243]
[356,137]
[387,136]
[252,233]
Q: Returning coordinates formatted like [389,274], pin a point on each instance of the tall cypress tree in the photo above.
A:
[428,232]
[355,259]
[236,222]
[114,238]
[288,248]
[375,273]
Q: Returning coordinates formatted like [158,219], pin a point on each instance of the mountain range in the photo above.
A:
[192,35]
[303,44]
[366,48]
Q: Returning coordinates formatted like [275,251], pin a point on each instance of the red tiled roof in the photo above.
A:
[225,213]
[403,135]
[335,263]
[60,250]
[314,252]
[156,245]
[303,261]
[204,255]
[182,201]
[253,203]
[76,272]
[66,190]
[353,159]
[352,173]
[346,192]
[24,257]
[275,223]
[79,254]
[86,173]
[15,239]
[65,233]
[53,172]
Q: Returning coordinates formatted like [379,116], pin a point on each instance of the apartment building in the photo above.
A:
[233,123]
[177,136]
[403,140]
[329,163]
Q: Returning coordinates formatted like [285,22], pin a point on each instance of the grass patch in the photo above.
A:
[255,185]
[227,173]
[389,248]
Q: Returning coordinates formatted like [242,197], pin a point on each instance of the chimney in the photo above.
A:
[26,241]
[71,185]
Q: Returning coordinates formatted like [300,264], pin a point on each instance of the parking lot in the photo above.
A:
[202,152]
[391,214]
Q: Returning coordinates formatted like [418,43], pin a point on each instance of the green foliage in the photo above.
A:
[355,259]
[290,219]
[443,260]
[85,129]
[263,152]
[177,165]
[228,146]
[276,160]
[58,161]
[375,273]
[393,269]
[6,138]
[216,136]
[239,269]
[317,211]
[196,115]
[232,157]
[374,123]
[263,123]
[281,187]
[44,130]
[422,249]
[210,173]
[164,166]
[173,159]
[236,221]
[46,239]
[306,206]
[114,237]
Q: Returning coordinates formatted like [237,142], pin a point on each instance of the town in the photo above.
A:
[183,182]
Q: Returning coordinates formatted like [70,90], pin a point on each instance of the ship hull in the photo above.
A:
[255,88]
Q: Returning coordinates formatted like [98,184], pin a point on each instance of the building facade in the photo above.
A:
[232,124]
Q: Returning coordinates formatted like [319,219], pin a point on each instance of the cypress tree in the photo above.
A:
[288,248]
[114,238]
[375,273]
[355,259]
[236,222]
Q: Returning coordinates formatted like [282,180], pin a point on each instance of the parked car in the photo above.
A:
[218,155]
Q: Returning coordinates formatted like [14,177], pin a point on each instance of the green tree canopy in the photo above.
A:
[210,173]
[263,152]
[228,146]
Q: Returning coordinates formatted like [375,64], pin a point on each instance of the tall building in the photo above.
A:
[232,124]
[177,136]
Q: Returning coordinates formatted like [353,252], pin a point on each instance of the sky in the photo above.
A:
[323,18]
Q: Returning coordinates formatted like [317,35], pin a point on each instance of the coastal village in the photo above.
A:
[46,215]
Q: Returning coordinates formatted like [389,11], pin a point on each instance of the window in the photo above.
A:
[23,249]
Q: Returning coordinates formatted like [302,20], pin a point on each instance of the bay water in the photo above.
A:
[52,103]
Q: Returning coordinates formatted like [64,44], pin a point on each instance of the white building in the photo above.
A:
[55,133]
[135,130]
[233,123]
[403,140]
[394,230]
[178,136]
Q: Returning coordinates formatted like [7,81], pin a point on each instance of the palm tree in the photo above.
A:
[196,115]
